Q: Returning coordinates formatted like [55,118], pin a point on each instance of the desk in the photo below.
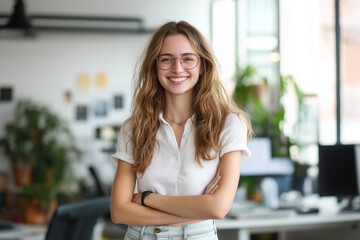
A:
[38,232]
[24,232]
[326,224]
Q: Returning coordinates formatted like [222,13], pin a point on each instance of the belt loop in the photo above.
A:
[142,232]
[185,231]
[215,230]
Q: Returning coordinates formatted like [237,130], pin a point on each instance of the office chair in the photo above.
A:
[76,221]
[101,189]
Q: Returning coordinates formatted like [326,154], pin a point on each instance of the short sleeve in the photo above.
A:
[124,148]
[234,136]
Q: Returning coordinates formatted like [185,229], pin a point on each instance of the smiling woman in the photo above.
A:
[183,144]
[178,77]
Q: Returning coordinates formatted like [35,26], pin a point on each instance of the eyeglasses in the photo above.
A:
[188,61]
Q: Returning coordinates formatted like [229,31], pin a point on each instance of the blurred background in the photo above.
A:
[66,70]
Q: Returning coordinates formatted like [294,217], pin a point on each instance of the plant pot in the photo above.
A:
[51,210]
[22,174]
[256,196]
[259,91]
[35,214]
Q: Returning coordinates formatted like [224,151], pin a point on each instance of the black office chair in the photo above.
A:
[101,189]
[76,221]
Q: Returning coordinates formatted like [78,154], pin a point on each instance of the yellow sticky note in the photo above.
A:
[84,82]
[101,80]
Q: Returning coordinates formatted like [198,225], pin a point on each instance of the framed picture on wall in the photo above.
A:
[6,94]
[68,96]
[81,113]
[118,101]
[100,108]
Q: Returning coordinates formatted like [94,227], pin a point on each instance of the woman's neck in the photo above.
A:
[178,108]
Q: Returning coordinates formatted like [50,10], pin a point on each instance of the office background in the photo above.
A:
[70,70]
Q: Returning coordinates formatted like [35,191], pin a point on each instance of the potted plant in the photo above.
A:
[18,147]
[249,92]
[39,203]
[43,140]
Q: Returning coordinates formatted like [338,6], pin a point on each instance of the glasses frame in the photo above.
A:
[157,61]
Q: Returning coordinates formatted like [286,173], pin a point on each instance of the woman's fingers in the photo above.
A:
[214,189]
[137,198]
[213,185]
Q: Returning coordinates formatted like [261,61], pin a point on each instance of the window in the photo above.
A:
[350,71]
[223,37]
[298,38]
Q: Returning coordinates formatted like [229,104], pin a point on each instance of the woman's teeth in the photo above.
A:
[178,79]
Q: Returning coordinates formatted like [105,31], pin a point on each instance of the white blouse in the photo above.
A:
[174,171]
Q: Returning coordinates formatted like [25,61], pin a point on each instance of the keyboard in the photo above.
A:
[258,212]
[4,225]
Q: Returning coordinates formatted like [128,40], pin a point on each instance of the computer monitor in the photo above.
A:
[338,171]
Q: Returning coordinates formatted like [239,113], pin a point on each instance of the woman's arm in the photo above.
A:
[124,211]
[208,206]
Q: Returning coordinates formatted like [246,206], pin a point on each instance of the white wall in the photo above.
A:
[44,67]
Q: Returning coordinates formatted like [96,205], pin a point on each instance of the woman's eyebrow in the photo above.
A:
[169,54]
[165,54]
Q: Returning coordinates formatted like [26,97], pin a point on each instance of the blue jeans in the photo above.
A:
[204,230]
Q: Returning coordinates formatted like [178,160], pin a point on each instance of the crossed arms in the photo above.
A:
[174,210]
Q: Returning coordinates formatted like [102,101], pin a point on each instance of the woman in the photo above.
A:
[184,135]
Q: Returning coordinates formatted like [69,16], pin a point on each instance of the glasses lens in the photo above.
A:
[165,62]
[189,61]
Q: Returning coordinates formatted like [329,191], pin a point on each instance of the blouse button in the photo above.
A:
[157,230]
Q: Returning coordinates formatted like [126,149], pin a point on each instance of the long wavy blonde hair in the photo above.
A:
[210,103]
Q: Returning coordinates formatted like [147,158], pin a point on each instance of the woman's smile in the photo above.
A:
[177,80]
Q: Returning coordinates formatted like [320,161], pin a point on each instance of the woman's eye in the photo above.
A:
[188,59]
[165,59]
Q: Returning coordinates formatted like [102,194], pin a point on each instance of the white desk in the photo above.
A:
[38,232]
[245,227]
[24,232]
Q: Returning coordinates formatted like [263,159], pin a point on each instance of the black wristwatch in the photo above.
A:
[143,196]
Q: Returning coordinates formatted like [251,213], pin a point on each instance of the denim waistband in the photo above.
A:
[185,231]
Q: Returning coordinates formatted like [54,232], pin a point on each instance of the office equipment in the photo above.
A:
[76,221]
[6,225]
[261,163]
[310,226]
[260,213]
[21,22]
[338,171]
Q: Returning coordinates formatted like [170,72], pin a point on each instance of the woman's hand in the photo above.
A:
[213,185]
[137,198]
[210,189]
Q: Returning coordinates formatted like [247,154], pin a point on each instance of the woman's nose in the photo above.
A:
[177,68]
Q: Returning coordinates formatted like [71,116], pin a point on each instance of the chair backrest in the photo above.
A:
[100,187]
[76,221]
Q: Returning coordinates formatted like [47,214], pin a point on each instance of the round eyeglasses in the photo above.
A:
[188,61]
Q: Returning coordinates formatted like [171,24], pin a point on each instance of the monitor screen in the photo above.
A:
[338,171]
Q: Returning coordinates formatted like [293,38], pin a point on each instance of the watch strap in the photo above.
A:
[143,196]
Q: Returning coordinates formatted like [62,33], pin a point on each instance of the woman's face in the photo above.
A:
[177,79]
